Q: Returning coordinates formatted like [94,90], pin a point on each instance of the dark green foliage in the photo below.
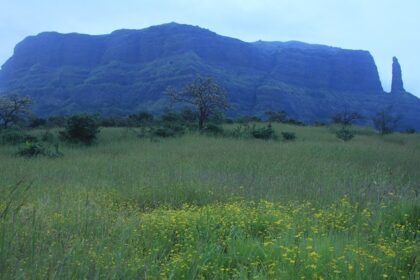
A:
[217,118]
[213,129]
[81,129]
[346,118]
[34,149]
[295,122]
[247,131]
[386,121]
[13,109]
[140,119]
[165,132]
[37,122]
[48,137]
[288,136]
[265,132]
[113,122]
[170,118]
[31,149]
[344,134]
[15,137]
[410,131]
[248,119]
[56,121]
[189,116]
[241,131]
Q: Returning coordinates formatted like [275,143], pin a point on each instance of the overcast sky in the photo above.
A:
[387,28]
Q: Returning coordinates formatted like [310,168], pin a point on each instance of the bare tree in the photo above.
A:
[204,95]
[385,121]
[13,108]
[346,118]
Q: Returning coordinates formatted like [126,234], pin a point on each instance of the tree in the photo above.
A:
[81,129]
[280,116]
[204,95]
[13,108]
[346,118]
[385,121]
[140,119]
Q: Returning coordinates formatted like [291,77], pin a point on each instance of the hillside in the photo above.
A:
[128,70]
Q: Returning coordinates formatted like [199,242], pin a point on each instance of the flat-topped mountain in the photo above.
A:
[128,70]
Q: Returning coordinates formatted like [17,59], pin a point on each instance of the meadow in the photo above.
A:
[200,207]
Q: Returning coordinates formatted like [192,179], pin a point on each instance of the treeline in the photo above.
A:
[204,103]
[186,117]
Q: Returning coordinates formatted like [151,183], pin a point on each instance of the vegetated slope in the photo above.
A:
[128,71]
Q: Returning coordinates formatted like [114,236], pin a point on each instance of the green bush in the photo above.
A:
[410,131]
[33,149]
[247,131]
[288,136]
[48,137]
[164,132]
[265,132]
[140,119]
[213,129]
[15,137]
[81,129]
[167,131]
[344,134]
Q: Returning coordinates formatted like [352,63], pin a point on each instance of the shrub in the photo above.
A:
[37,122]
[213,129]
[15,137]
[386,121]
[81,129]
[344,134]
[247,131]
[32,149]
[56,121]
[189,116]
[240,131]
[48,137]
[288,136]
[410,131]
[265,132]
[248,119]
[164,132]
[168,131]
[140,119]
[295,122]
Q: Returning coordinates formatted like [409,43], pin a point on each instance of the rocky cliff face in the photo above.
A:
[397,82]
[128,71]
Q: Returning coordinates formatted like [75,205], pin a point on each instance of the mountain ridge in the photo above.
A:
[128,70]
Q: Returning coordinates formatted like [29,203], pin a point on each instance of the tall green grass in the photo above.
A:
[99,211]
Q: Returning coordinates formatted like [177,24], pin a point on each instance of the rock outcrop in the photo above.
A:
[397,82]
[128,71]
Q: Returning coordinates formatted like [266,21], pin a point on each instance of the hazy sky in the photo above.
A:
[387,28]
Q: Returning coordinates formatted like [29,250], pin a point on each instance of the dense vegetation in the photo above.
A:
[215,204]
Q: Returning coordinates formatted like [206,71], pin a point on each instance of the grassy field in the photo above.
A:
[198,207]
